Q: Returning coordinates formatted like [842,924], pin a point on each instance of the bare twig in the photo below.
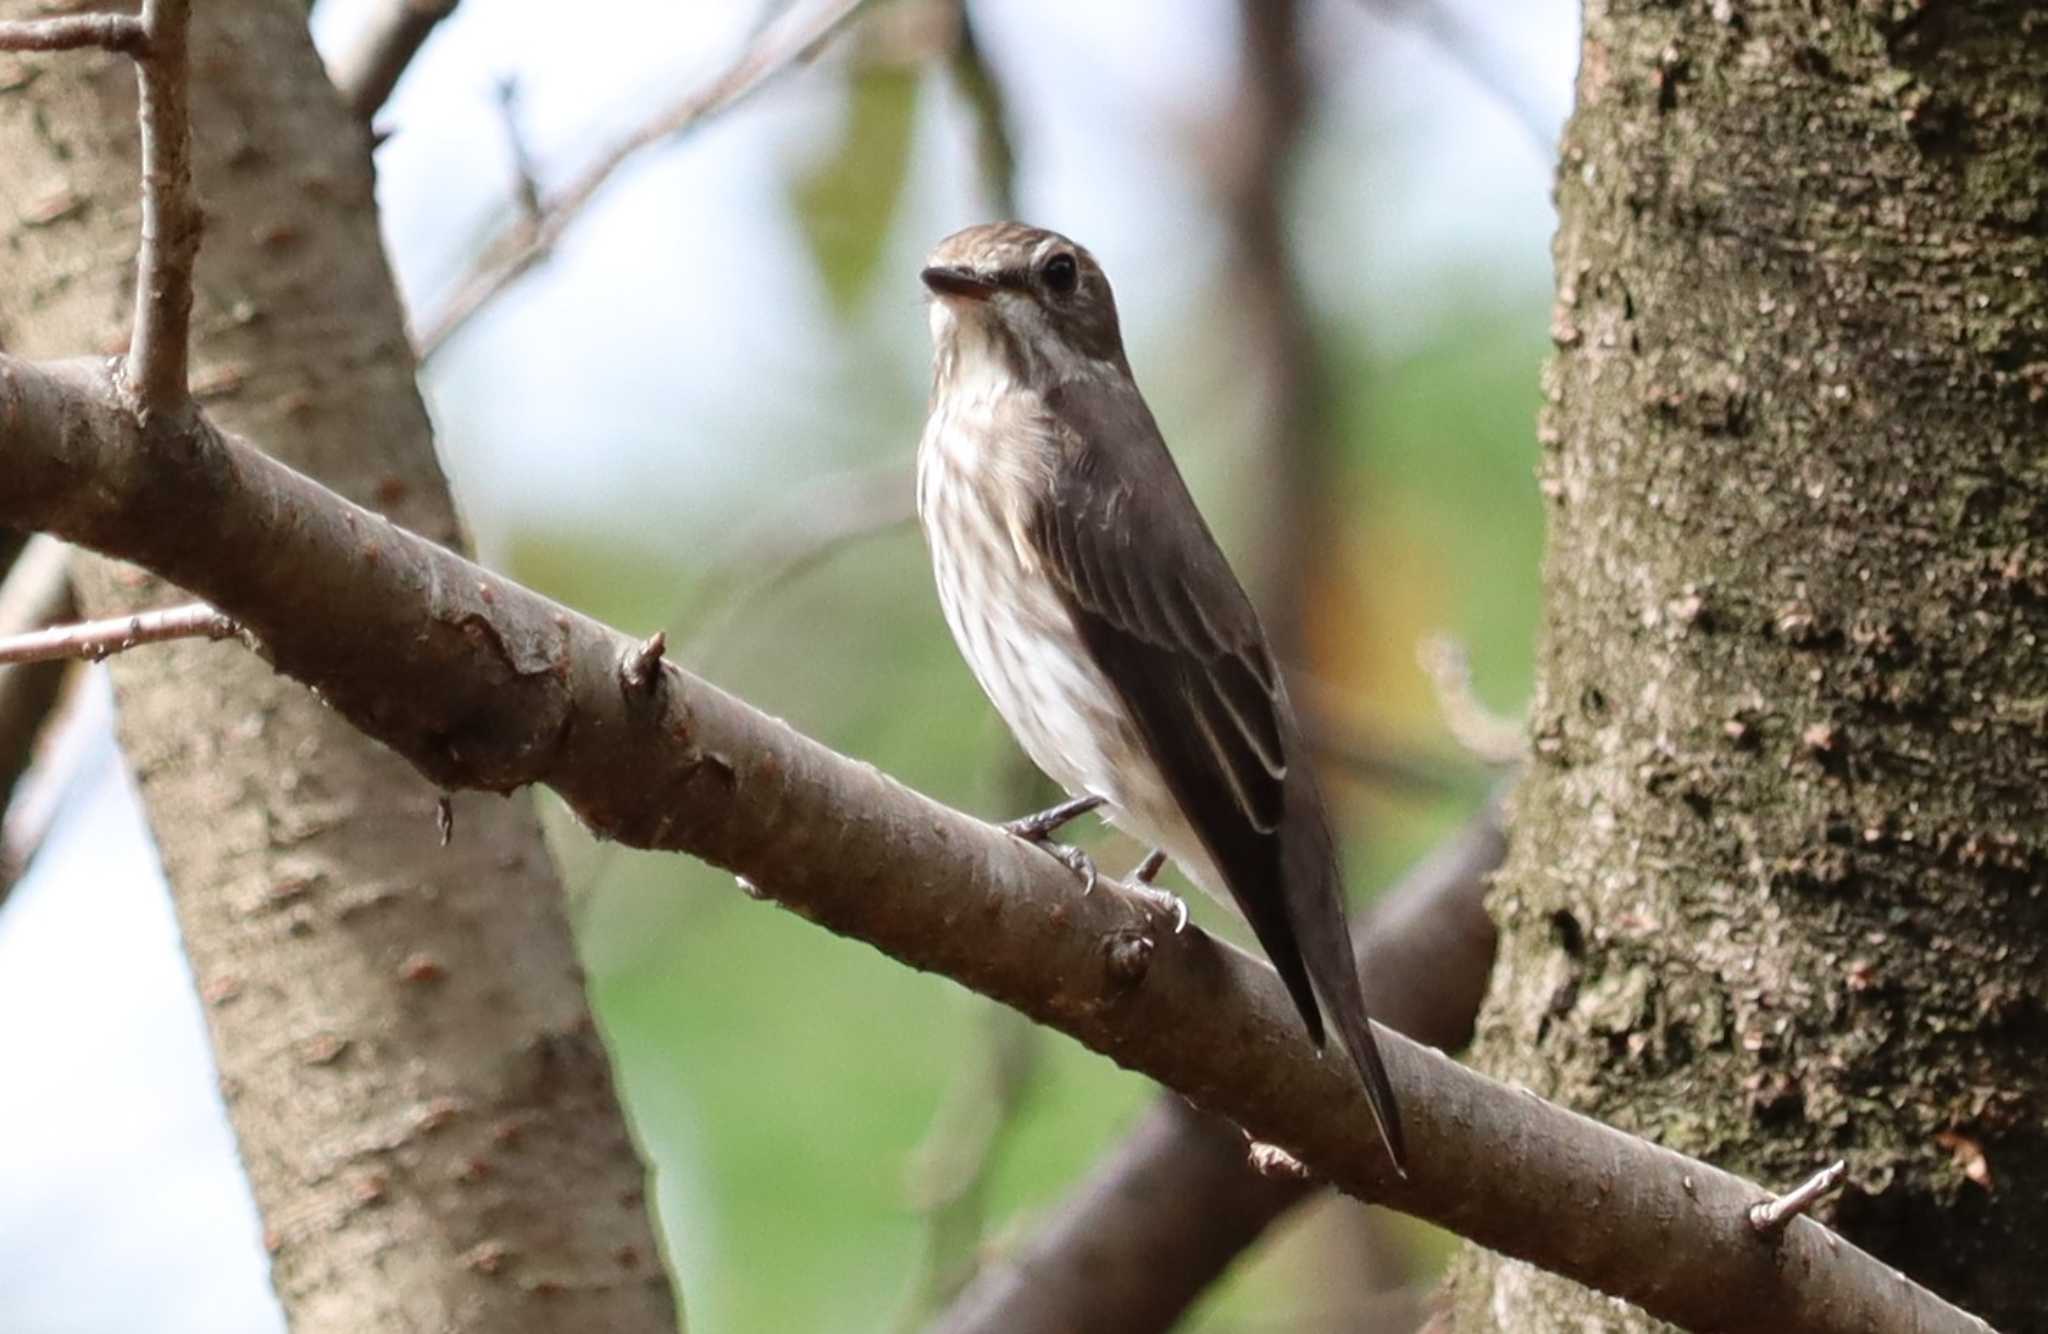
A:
[156,367]
[950,1168]
[367,71]
[1480,57]
[998,154]
[807,527]
[1487,735]
[481,683]
[1381,763]
[72,32]
[1368,758]
[95,640]
[795,33]
[525,184]
[1771,1217]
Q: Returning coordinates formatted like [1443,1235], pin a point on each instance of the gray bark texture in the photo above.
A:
[422,1100]
[1776,889]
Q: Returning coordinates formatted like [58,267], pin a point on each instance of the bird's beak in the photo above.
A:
[945,280]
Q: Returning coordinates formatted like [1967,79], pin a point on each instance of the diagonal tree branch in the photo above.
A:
[483,684]
[1168,1210]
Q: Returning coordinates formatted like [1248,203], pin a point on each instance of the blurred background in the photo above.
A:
[1327,224]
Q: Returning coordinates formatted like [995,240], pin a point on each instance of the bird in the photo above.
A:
[1104,623]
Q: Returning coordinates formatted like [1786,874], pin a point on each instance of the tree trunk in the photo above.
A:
[422,1100]
[1776,887]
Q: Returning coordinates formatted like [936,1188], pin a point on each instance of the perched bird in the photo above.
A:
[1105,625]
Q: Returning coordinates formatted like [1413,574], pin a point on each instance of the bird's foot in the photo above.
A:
[1041,827]
[1077,861]
[1164,902]
[1037,830]
[1069,856]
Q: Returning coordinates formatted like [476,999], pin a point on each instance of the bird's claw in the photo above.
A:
[1067,855]
[1077,861]
[1166,902]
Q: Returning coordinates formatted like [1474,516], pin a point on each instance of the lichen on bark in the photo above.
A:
[1778,889]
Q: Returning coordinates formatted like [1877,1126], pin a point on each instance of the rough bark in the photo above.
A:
[422,1100]
[1776,888]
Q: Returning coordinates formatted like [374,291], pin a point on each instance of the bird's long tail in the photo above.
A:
[1335,972]
[1315,888]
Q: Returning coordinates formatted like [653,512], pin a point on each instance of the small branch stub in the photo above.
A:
[640,670]
[1127,956]
[95,640]
[1769,1218]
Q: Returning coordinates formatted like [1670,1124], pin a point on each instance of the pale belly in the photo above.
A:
[1020,642]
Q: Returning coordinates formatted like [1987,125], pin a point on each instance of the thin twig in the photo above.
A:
[950,1168]
[1497,740]
[72,32]
[1467,46]
[1380,763]
[527,242]
[1771,1217]
[993,145]
[96,640]
[155,373]
[367,71]
[525,184]
[807,527]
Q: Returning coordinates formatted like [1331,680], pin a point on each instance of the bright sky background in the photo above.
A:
[121,1206]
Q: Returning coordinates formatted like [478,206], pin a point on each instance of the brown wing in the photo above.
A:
[1164,617]
[1168,623]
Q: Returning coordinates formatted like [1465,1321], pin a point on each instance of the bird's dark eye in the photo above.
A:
[1061,274]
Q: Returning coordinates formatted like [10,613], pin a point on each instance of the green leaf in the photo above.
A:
[846,201]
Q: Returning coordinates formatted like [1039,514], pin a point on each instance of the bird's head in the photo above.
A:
[1026,295]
